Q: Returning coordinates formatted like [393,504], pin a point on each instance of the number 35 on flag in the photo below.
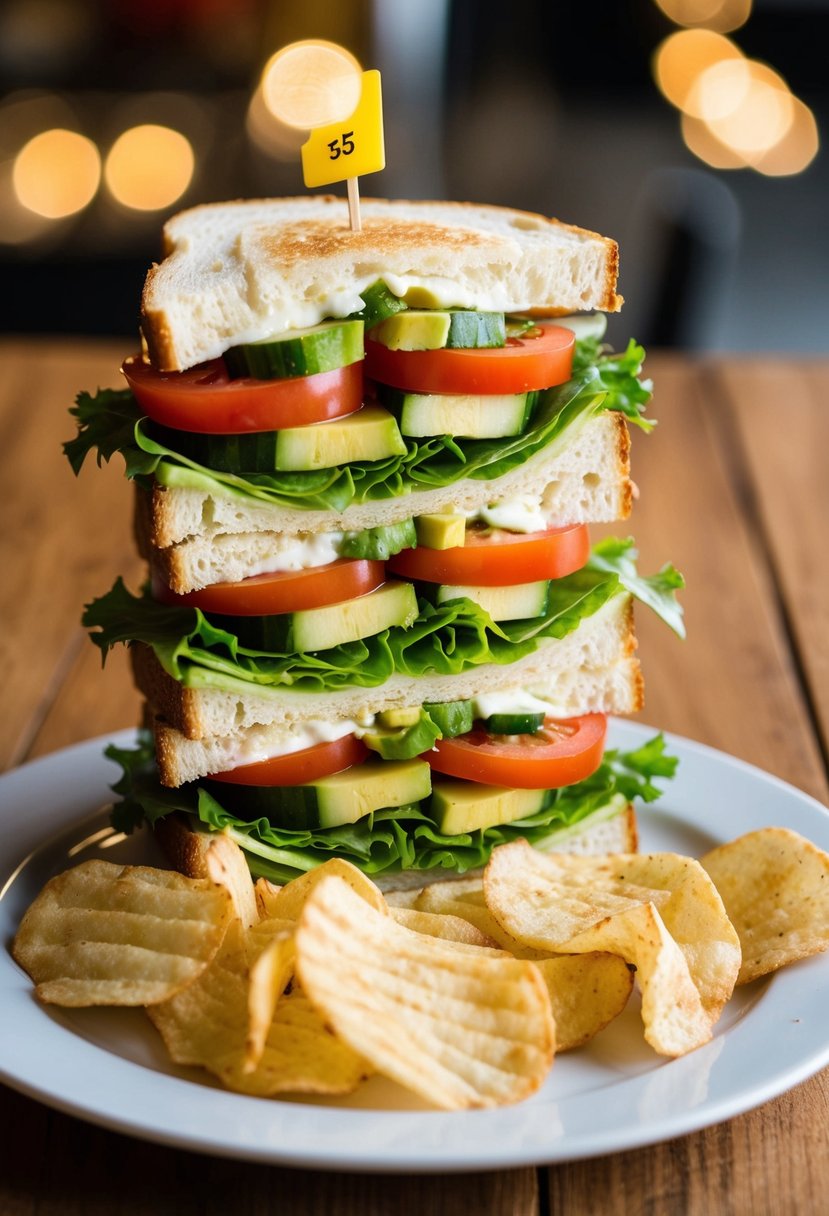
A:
[341,150]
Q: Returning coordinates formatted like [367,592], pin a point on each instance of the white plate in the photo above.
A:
[108,1066]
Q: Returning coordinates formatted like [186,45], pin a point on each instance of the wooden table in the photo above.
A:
[734,488]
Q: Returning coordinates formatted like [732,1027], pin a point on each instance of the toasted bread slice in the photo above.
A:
[241,271]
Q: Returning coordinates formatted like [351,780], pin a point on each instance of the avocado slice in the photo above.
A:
[440,531]
[517,603]
[458,807]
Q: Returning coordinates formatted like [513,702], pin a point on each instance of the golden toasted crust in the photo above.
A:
[293,242]
[179,705]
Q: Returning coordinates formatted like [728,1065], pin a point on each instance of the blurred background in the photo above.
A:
[689,130]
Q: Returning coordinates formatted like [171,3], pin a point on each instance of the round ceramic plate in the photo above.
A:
[108,1065]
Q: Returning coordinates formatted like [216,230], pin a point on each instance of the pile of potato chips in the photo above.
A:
[461,992]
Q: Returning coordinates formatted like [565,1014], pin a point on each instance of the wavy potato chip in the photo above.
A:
[587,991]
[270,973]
[225,864]
[289,900]
[457,1025]
[542,898]
[447,927]
[105,934]
[775,887]
[207,1025]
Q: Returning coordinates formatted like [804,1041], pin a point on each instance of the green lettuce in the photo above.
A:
[446,640]
[619,376]
[658,591]
[111,421]
[399,838]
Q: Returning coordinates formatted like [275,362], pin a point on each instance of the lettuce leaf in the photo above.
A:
[445,640]
[658,591]
[619,376]
[400,838]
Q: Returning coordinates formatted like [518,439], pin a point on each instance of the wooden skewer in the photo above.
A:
[354,204]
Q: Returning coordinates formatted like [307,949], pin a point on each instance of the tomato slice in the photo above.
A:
[520,366]
[205,400]
[296,768]
[560,753]
[495,558]
[287,591]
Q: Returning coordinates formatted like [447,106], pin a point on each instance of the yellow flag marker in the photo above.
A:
[319,86]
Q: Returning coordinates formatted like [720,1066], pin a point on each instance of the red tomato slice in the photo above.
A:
[520,366]
[494,558]
[560,753]
[288,591]
[296,768]
[205,399]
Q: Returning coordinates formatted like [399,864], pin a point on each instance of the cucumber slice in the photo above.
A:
[514,724]
[451,717]
[378,304]
[458,807]
[332,801]
[476,330]
[517,603]
[585,325]
[315,629]
[434,329]
[371,433]
[299,352]
[473,416]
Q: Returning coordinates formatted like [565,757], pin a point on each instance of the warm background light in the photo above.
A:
[57,173]
[682,58]
[798,147]
[720,15]
[311,83]
[149,167]
[760,116]
[271,136]
[700,139]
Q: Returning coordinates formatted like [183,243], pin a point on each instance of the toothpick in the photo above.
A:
[353,184]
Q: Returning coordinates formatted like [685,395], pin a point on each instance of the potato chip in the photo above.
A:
[587,991]
[207,1025]
[225,864]
[406,898]
[458,1026]
[775,887]
[464,901]
[541,898]
[265,892]
[270,974]
[448,928]
[544,899]
[695,917]
[289,901]
[104,934]
[673,1014]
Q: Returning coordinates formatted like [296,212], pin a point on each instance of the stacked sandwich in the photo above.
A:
[365,464]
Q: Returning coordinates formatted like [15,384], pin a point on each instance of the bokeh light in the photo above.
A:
[720,15]
[56,173]
[311,83]
[798,147]
[759,115]
[149,167]
[681,59]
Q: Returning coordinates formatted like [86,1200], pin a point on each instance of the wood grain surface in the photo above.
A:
[734,489]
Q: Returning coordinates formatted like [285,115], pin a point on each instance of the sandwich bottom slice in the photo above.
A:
[391,812]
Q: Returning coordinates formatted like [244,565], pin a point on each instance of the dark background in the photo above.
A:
[545,106]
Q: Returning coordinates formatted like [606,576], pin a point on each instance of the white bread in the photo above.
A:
[186,848]
[241,271]
[594,668]
[585,478]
